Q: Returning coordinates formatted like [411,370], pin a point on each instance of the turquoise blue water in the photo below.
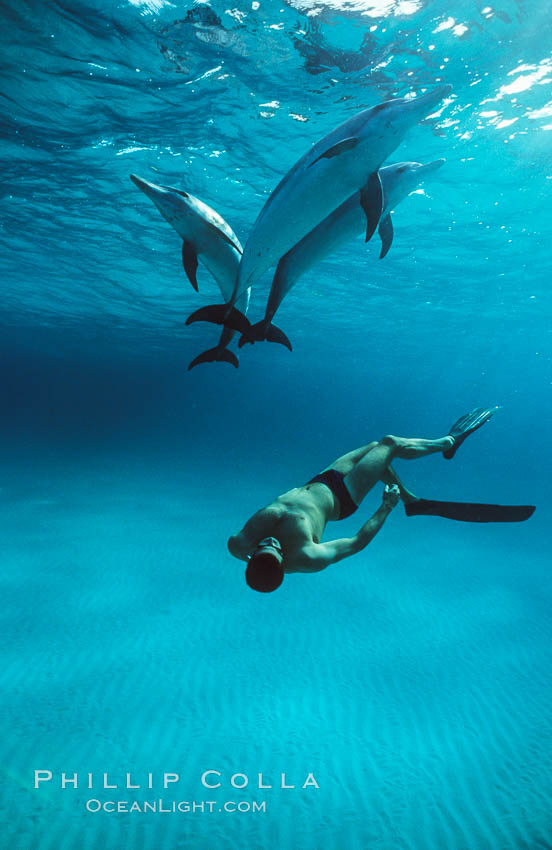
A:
[412,682]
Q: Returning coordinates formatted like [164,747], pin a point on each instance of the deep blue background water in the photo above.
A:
[414,679]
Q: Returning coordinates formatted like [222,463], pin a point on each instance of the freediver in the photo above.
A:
[285,537]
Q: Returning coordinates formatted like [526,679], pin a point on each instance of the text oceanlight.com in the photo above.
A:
[174,806]
[210,779]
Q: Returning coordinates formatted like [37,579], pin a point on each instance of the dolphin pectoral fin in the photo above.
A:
[371,201]
[260,332]
[385,231]
[189,261]
[335,150]
[219,314]
[215,355]
[222,235]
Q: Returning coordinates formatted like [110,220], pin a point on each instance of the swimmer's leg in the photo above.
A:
[390,477]
[345,463]
[373,466]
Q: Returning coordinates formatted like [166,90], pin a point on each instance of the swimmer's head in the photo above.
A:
[265,570]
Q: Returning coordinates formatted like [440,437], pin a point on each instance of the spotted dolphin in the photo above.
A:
[345,223]
[206,236]
[333,169]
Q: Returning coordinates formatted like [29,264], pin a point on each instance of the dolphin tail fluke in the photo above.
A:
[371,201]
[274,334]
[386,235]
[215,355]
[219,314]
[261,331]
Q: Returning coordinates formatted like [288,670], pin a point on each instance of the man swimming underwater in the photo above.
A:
[285,537]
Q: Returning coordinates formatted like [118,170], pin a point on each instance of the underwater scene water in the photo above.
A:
[404,692]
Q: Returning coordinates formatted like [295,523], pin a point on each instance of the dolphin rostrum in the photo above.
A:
[206,236]
[345,223]
[333,169]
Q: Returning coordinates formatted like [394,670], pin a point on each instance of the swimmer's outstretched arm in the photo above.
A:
[238,547]
[336,550]
[243,544]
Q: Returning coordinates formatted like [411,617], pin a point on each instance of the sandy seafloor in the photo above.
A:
[413,681]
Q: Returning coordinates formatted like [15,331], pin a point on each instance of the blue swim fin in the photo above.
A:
[466,425]
[470,511]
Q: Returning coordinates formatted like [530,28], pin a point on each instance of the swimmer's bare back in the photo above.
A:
[298,519]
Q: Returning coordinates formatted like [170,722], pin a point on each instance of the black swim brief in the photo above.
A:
[334,480]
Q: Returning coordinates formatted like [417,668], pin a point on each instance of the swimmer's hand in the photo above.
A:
[391,496]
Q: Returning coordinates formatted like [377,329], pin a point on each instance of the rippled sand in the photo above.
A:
[412,681]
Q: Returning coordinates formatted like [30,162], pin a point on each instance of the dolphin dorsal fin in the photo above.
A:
[385,231]
[189,261]
[340,147]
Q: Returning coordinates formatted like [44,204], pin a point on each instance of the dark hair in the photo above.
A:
[264,572]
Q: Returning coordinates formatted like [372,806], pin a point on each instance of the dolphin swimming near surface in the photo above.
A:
[206,236]
[345,223]
[333,169]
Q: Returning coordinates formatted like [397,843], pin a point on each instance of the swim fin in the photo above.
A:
[470,511]
[466,425]
[261,331]
[212,355]
[219,314]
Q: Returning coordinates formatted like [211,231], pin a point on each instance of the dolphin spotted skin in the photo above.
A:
[206,236]
[345,223]
[333,169]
